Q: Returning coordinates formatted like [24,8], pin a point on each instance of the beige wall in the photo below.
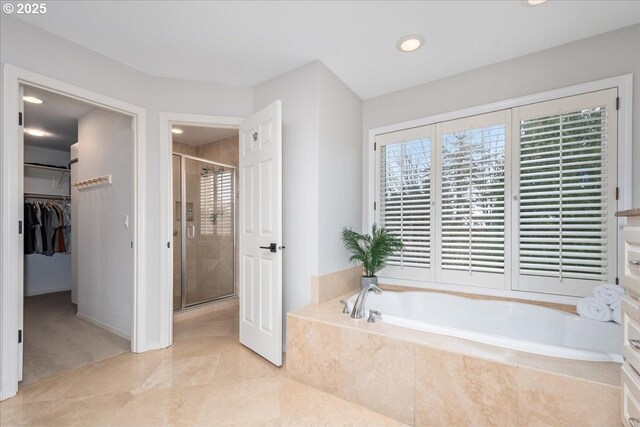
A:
[223,151]
[607,55]
[179,147]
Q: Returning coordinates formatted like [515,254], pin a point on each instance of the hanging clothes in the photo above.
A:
[37,226]
[66,207]
[29,238]
[47,227]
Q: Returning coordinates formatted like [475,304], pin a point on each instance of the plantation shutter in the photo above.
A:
[567,193]
[404,194]
[472,223]
[225,195]
[207,201]
[216,200]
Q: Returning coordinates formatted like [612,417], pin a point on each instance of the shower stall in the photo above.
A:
[204,195]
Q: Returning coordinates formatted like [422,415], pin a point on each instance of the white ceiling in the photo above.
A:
[201,135]
[57,116]
[247,42]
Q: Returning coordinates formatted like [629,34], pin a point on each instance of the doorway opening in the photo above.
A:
[257,310]
[77,203]
[205,196]
[12,216]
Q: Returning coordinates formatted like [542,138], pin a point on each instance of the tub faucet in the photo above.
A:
[358,307]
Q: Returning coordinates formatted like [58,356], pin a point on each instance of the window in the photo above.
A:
[518,199]
[405,194]
[225,194]
[566,186]
[207,201]
[216,201]
[472,153]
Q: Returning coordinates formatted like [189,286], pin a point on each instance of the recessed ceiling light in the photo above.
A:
[176,131]
[35,132]
[536,2]
[410,42]
[32,99]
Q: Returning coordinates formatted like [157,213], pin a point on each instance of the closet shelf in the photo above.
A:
[59,169]
[46,167]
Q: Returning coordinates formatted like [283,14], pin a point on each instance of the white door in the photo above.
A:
[21,249]
[260,228]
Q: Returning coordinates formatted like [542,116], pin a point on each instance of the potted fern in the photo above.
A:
[371,250]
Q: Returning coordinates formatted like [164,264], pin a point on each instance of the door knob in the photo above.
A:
[271,247]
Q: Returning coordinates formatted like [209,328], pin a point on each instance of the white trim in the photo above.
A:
[11,177]
[104,326]
[624,83]
[166,120]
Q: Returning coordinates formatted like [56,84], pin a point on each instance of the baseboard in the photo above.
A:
[49,291]
[104,326]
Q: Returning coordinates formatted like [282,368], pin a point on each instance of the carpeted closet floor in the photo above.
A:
[55,340]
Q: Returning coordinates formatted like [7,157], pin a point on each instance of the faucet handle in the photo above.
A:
[373,314]
[345,307]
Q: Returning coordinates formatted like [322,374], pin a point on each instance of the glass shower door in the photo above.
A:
[177,232]
[208,229]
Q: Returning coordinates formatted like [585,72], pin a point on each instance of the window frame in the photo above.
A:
[539,284]
[479,279]
[624,86]
[410,273]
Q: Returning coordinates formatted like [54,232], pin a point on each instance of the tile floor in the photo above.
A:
[205,379]
[55,340]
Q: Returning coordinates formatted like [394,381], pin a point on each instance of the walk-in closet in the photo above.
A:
[76,234]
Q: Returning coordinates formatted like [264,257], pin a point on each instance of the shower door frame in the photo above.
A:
[183,225]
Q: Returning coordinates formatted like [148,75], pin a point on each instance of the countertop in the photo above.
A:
[629,212]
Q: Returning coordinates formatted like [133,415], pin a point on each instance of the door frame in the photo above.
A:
[11,196]
[165,140]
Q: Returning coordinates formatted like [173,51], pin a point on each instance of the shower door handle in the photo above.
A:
[191,231]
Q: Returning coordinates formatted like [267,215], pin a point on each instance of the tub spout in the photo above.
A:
[358,307]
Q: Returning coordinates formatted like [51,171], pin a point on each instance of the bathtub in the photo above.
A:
[516,326]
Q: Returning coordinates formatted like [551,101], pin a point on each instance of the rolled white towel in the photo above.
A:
[608,294]
[616,315]
[616,304]
[591,308]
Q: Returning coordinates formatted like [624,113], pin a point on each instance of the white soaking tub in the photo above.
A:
[516,326]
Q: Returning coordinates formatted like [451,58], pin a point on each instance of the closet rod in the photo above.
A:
[46,167]
[46,196]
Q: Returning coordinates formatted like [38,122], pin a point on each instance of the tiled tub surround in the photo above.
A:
[425,379]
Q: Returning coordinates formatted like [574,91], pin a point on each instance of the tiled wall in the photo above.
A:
[329,286]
